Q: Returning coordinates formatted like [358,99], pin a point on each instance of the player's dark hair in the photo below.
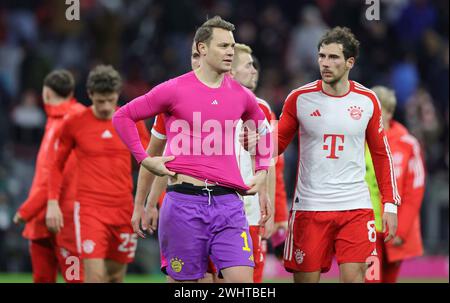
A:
[104,79]
[344,36]
[61,82]
[205,31]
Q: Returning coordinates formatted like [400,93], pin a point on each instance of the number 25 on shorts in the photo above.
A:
[129,244]
[245,237]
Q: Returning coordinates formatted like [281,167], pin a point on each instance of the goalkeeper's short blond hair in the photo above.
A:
[240,48]
[386,97]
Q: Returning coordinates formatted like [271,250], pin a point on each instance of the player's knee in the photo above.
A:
[354,274]
[116,277]
[239,277]
[307,277]
[95,277]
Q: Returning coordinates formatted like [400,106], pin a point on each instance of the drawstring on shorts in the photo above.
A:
[208,190]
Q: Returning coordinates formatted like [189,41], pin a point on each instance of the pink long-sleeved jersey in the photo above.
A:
[200,122]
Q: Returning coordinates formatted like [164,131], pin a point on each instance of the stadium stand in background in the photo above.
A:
[150,41]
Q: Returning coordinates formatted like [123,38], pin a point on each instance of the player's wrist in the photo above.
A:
[262,172]
[139,204]
[151,205]
[390,208]
[52,202]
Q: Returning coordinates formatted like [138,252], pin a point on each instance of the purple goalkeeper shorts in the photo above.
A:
[193,229]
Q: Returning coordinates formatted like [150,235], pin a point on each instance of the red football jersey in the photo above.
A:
[104,162]
[34,208]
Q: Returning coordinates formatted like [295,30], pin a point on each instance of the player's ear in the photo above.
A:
[45,94]
[202,48]
[90,94]
[350,62]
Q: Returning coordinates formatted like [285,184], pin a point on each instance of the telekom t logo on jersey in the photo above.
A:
[332,140]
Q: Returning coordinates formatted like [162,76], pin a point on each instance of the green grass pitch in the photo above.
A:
[159,278]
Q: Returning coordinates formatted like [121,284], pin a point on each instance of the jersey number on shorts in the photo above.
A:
[129,244]
[372,233]
[245,237]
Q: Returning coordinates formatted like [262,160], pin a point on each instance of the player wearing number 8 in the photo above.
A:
[102,214]
[332,212]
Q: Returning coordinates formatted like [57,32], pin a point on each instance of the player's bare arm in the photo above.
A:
[144,183]
[18,219]
[390,222]
[53,217]
[151,208]
[270,224]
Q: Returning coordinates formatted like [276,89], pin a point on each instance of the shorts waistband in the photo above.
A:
[190,189]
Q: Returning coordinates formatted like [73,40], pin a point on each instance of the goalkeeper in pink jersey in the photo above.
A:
[202,214]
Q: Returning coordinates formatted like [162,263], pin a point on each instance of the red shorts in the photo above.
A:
[66,237]
[314,237]
[259,252]
[99,239]
[47,257]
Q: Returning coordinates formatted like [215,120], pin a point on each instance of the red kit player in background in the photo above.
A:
[410,174]
[50,248]
[104,204]
[332,212]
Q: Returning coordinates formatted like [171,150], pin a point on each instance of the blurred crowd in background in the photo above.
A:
[150,42]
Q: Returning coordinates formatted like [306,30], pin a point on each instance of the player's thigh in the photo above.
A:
[183,235]
[231,244]
[94,236]
[309,243]
[306,277]
[352,272]
[376,262]
[356,239]
[238,274]
[115,271]
[70,265]
[258,252]
[94,270]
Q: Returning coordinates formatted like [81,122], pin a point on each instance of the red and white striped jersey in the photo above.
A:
[332,133]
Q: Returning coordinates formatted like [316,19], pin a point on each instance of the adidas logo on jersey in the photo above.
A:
[107,135]
[215,102]
[316,113]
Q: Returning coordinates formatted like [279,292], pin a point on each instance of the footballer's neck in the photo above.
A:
[338,88]
[100,116]
[209,76]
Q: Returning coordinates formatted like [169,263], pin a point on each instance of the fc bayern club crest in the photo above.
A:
[355,112]
[299,256]
[88,246]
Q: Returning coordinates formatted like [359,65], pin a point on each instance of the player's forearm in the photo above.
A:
[271,185]
[158,188]
[145,179]
[144,183]
[55,180]
[124,121]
